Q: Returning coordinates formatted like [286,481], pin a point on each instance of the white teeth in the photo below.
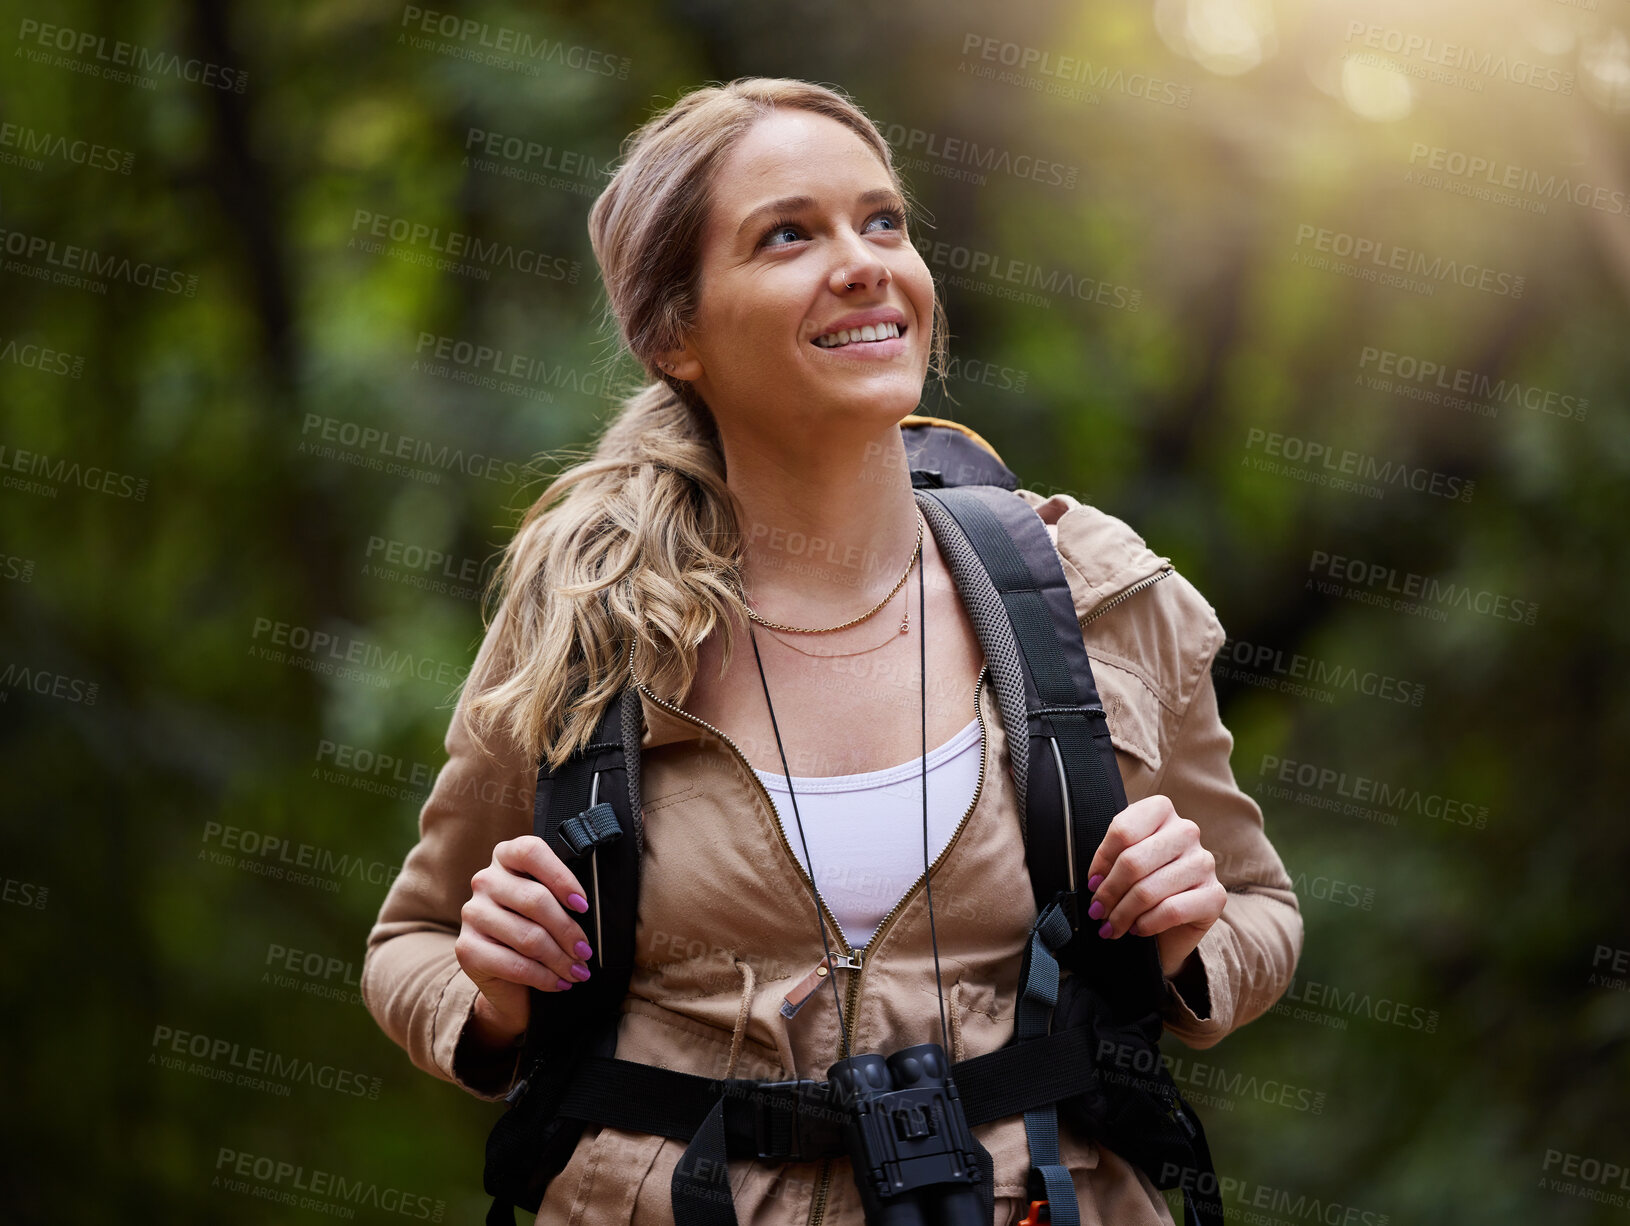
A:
[871,332]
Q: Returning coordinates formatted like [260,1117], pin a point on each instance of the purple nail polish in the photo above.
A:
[1106,930]
[564,984]
[579,970]
[577,903]
[1093,882]
[1096,911]
[582,950]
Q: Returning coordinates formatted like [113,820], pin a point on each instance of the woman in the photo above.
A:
[755,252]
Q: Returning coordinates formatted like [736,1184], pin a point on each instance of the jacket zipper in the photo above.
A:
[817,1209]
[850,959]
[1133,590]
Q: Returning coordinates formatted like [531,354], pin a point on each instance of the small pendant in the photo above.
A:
[905,624]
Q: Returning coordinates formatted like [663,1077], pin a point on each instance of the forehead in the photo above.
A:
[792,152]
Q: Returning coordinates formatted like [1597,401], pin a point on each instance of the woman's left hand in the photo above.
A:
[1156,880]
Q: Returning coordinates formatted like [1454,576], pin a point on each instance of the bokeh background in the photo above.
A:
[1328,300]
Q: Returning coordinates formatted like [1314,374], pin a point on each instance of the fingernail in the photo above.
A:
[579,970]
[582,950]
[564,984]
[1096,911]
[1107,930]
[1093,882]
[577,902]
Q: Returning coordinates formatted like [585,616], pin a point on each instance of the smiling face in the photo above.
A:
[806,239]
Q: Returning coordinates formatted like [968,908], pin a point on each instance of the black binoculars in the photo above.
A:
[913,1156]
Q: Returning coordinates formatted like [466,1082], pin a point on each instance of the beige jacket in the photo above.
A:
[725,927]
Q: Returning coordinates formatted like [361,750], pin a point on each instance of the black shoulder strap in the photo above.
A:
[1074,788]
[584,812]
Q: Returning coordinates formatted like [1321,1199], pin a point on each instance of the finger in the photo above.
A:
[532,903]
[1131,825]
[1146,895]
[1200,905]
[1168,843]
[531,855]
[484,958]
[525,936]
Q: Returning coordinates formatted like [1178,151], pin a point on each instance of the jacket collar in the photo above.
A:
[1103,556]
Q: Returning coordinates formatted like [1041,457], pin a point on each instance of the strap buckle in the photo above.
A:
[591,828]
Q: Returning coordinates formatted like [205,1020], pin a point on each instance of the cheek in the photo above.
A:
[918,284]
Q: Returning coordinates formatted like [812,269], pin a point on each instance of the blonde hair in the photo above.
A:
[644,547]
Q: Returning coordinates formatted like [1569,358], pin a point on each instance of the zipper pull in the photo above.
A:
[805,988]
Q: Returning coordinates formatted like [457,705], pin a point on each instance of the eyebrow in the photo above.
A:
[789,204]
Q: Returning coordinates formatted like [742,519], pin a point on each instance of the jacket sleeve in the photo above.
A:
[411,981]
[1244,962]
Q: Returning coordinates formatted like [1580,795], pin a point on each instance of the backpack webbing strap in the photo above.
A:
[1038,993]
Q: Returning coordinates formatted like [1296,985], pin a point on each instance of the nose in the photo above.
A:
[857,265]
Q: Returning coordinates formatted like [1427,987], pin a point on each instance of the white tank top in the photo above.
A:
[865,831]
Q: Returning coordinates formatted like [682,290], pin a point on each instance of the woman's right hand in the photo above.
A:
[517,931]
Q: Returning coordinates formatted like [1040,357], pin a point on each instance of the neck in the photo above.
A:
[829,524]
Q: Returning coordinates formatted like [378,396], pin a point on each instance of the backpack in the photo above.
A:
[1075,1037]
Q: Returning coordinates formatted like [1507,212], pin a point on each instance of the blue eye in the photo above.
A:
[895,215]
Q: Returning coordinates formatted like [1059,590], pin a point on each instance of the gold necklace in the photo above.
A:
[905,622]
[828,655]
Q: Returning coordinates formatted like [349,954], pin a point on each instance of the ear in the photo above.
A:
[681,363]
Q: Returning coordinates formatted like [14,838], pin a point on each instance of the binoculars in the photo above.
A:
[913,1157]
